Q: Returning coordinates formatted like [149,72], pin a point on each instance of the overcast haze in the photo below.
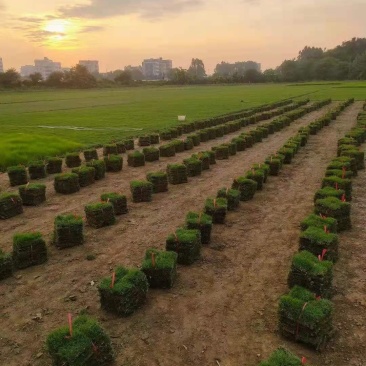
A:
[123,32]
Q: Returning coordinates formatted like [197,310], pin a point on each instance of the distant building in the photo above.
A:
[46,67]
[91,65]
[156,68]
[1,65]
[27,70]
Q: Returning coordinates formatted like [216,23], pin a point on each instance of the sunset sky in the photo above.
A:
[123,32]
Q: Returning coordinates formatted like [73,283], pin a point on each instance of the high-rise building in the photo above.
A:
[156,68]
[27,70]
[91,65]
[1,65]
[46,67]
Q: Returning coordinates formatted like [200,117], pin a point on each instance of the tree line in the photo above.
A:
[344,62]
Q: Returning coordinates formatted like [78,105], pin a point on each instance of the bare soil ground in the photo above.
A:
[223,309]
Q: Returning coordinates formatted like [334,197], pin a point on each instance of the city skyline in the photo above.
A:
[124,33]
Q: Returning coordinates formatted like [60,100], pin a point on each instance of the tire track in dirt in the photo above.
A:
[203,311]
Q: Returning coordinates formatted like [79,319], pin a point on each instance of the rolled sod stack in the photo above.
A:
[159,181]
[124,291]
[118,201]
[177,174]
[113,163]
[246,187]
[90,155]
[129,144]
[86,175]
[282,357]
[141,191]
[217,208]
[17,175]
[69,231]
[201,222]
[136,159]
[100,168]
[151,154]
[232,196]
[37,170]
[6,265]
[10,205]
[100,214]
[321,222]
[204,157]
[304,318]
[194,167]
[73,160]
[28,250]
[32,194]
[54,166]
[160,268]
[88,345]
[186,243]
[110,149]
[313,274]
[335,208]
[121,147]
[257,176]
[67,183]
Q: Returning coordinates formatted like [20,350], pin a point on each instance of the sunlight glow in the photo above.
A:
[57,26]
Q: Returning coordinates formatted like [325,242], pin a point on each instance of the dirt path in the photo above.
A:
[224,307]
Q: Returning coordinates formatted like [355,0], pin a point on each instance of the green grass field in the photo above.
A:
[36,124]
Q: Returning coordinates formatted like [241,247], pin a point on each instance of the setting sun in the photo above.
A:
[57,26]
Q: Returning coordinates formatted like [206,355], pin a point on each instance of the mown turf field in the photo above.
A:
[37,124]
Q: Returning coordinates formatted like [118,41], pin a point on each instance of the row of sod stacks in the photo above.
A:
[100,168]
[118,201]
[123,292]
[217,208]
[177,174]
[305,318]
[37,170]
[83,343]
[282,357]
[232,196]
[159,180]
[151,154]
[186,243]
[86,175]
[32,194]
[160,268]
[10,205]
[68,231]
[28,250]
[136,159]
[6,265]
[72,160]
[91,154]
[67,183]
[100,214]
[304,314]
[201,222]
[147,140]
[54,166]
[113,163]
[142,191]
[310,272]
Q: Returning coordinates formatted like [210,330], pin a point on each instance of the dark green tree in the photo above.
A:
[80,77]
[10,79]
[124,78]
[36,78]
[197,69]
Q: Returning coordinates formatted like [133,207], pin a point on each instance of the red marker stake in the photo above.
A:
[113,279]
[303,360]
[153,259]
[69,317]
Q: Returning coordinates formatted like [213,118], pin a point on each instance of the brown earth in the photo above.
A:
[222,310]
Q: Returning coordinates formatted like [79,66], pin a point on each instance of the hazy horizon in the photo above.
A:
[119,33]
